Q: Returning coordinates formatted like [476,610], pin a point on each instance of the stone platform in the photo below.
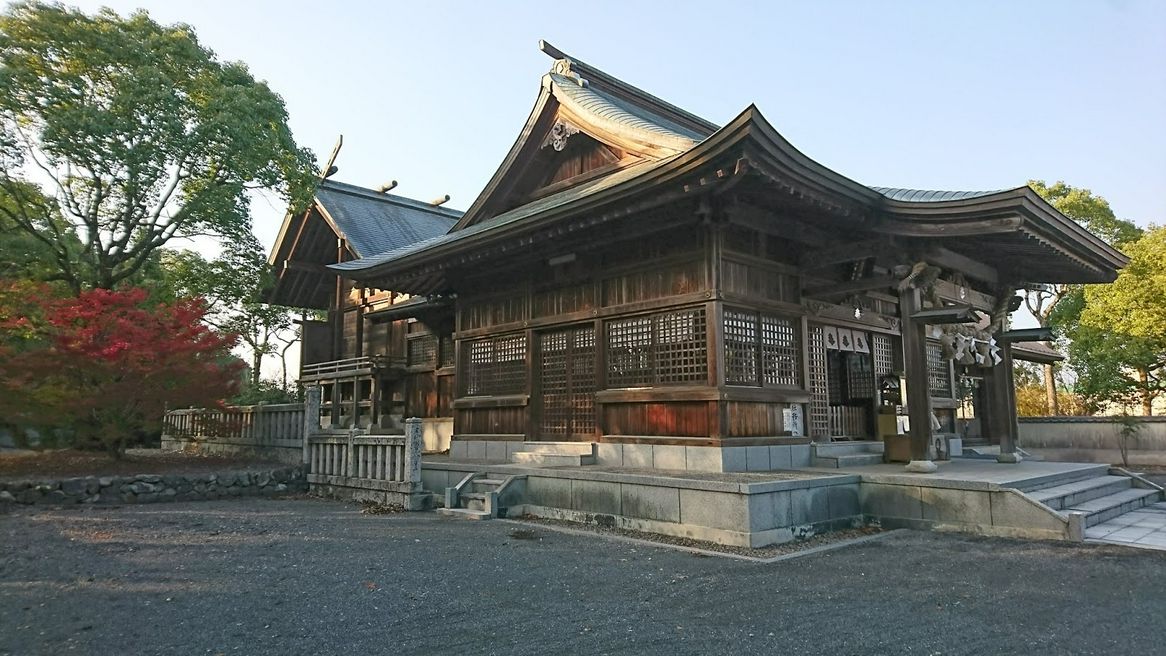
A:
[1044,500]
[738,508]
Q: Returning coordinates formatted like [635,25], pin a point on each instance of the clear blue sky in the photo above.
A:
[926,94]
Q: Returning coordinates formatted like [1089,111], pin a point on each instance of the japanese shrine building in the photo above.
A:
[633,273]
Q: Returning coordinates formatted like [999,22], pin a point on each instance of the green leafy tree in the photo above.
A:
[1093,213]
[232,286]
[1122,327]
[140,136]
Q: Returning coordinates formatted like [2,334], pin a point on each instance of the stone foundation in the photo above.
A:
[154,488]
[658,456]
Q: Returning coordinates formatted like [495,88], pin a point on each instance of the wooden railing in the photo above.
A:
[251,425]
[348,367]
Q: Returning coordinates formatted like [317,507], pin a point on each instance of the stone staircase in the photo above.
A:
[477,496]
[554,454]
[835,455]
[1099,494]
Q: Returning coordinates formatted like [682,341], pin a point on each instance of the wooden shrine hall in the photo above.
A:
[635,274]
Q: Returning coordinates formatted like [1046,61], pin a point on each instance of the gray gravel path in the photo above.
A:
[302,576]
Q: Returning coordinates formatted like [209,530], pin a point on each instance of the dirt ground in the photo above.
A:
[68,463]
[304,576]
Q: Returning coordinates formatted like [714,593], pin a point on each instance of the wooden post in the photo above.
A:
[311,420]
[1008,423]
[918,394]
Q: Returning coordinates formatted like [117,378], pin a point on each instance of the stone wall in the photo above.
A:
[1090,433]
[154,488]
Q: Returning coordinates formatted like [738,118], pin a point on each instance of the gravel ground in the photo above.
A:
[66,463]
[302,576]
[821,540]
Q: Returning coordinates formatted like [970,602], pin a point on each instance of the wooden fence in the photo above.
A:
[342,463]
[270,431]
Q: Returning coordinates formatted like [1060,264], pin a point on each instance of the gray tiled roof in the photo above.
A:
[513,216]
[375,223]
[930,196]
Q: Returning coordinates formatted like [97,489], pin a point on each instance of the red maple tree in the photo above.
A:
[105,365]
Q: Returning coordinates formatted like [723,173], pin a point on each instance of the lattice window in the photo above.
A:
[819,417]
[780,352]
[883,353]
[568,382]
[659,349]
[495,365]
[740,348]
[446,351]
[421,349]
[629,352]
[681,347]
[938,372]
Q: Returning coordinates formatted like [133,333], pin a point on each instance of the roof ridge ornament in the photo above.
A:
[560,132]
[565,67]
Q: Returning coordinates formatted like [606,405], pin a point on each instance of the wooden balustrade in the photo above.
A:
[254,425]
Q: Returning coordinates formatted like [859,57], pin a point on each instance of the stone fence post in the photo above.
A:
[311,420]
[413,448]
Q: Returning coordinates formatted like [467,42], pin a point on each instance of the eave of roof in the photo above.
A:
[773,152]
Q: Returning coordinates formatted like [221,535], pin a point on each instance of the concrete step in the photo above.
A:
[851,460]
[1103,509]
[558,448]
[1063,478]
[473,500]
[834,449]
[551,460]
[486,484]
[1078,492]
[463,513]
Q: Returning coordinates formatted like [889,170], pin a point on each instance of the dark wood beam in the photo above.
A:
[952,314]
[1026,335]
[773,223]
[851,287]
[973,228]
[949,259]
[846,252]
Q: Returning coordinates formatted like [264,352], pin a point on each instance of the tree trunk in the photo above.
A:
[1051,391]
[1147,398]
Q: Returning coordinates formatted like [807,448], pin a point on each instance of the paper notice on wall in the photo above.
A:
[791,416]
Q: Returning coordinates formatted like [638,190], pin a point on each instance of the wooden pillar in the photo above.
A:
[915,368]
[1009,424]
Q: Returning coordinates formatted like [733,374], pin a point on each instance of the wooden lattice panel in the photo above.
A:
[567,370]
[883,353]
[422,350]
[938,372]
[661,349]
[629,352]
[446,352]
[819,415]
[780,352]
[740,347]
[681,347]
[495,365]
